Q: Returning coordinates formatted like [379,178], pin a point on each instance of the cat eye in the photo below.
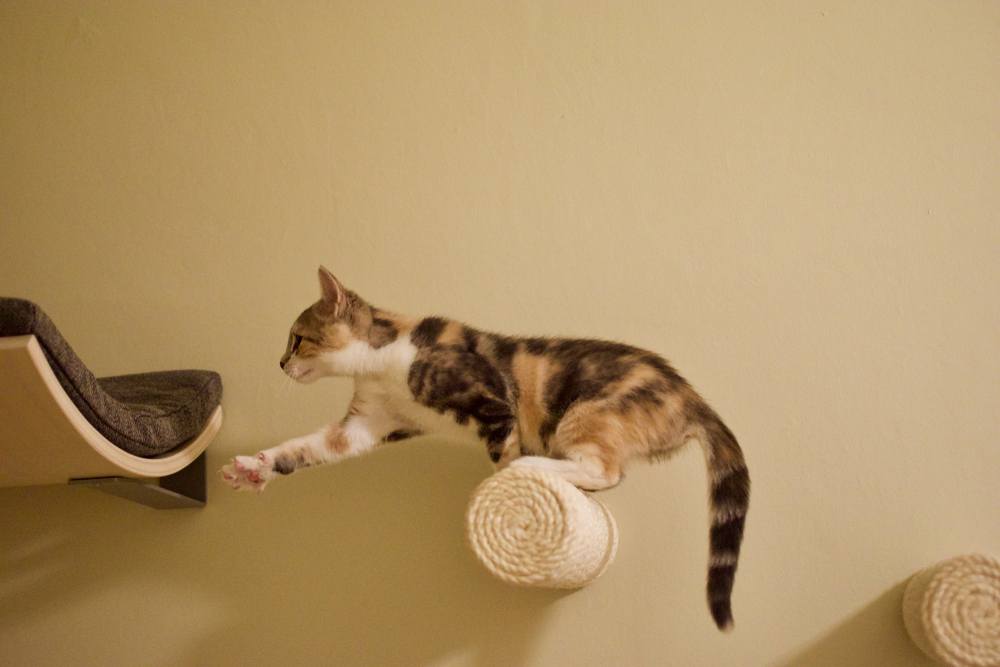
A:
[297,341]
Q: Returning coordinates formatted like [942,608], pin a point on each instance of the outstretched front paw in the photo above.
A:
[249,472]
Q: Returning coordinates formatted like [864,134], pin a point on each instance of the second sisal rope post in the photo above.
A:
[952,611]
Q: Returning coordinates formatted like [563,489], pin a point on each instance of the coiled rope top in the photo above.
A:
[532,528]
[952,611]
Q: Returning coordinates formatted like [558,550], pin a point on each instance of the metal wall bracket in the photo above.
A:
[184,488]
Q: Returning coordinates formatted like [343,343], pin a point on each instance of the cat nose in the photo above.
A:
[281,364]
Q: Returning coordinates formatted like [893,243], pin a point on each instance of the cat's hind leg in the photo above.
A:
[581,468]
[584,450]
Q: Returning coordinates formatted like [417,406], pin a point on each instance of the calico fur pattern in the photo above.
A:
[581,409]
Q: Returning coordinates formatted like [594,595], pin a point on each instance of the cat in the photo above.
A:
[579,409]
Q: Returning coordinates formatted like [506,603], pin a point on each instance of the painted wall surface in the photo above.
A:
[795,202]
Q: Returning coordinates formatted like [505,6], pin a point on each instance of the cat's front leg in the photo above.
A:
[355,435]
[255,471]
[511,451]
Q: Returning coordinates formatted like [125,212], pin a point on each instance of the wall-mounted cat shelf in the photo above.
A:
[141,436]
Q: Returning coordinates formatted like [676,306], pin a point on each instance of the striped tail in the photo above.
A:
[730,499]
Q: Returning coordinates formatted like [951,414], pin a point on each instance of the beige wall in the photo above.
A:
[795,202]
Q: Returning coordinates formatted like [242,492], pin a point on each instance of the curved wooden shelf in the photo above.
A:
[45,439]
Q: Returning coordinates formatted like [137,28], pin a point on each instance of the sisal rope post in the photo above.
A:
[952,611]
[531,528]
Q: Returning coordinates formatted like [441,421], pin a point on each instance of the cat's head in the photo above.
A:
[330,335]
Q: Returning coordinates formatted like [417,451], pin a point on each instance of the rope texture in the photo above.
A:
[532,528]
[952,611]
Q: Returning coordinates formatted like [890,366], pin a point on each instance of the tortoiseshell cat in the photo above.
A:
[580,409]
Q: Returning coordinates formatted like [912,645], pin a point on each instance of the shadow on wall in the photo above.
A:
[361,563]
[873,636]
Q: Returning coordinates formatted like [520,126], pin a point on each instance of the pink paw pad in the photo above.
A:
[247,472]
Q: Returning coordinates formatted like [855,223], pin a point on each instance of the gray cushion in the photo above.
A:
[146,414]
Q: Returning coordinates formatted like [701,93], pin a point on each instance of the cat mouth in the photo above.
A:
[299,376]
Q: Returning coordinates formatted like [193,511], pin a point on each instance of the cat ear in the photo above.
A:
[331,291]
